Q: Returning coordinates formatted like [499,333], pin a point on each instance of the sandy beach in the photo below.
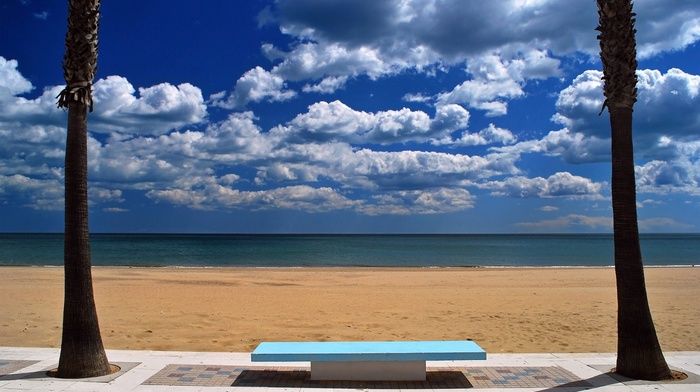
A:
[233,309]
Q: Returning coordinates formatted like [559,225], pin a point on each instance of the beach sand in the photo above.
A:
[233,309]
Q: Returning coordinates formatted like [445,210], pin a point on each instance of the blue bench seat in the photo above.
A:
[398,360]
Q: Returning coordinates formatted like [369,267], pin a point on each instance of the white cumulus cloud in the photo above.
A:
[562,184]
[254,86]
[158,109]
[11,80]
[335,121]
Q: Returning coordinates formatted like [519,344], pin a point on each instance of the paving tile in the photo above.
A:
[8,366]
[87,387]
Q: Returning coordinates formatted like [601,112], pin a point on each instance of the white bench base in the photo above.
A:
[368,370]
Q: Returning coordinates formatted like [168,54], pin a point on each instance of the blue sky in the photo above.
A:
[338,116]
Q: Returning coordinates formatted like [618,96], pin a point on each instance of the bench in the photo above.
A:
[368,361]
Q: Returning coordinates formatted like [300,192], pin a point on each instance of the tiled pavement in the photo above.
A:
[24,369]
[447,377]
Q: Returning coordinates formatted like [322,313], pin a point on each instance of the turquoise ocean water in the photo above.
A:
[224,250]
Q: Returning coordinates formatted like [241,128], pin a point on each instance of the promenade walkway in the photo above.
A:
[24,369]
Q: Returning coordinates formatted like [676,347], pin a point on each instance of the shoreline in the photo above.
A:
[504,309]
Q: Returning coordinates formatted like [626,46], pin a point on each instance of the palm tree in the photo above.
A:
[82,351]
[638,351]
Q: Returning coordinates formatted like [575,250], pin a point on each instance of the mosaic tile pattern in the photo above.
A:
[523,377]
[196,375]
[437,378]
[11,366]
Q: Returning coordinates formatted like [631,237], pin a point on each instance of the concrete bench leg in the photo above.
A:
[368,370]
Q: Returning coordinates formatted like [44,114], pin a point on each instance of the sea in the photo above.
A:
[356,250]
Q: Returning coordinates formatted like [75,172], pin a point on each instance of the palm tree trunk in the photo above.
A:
[639,353]
[82,351]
